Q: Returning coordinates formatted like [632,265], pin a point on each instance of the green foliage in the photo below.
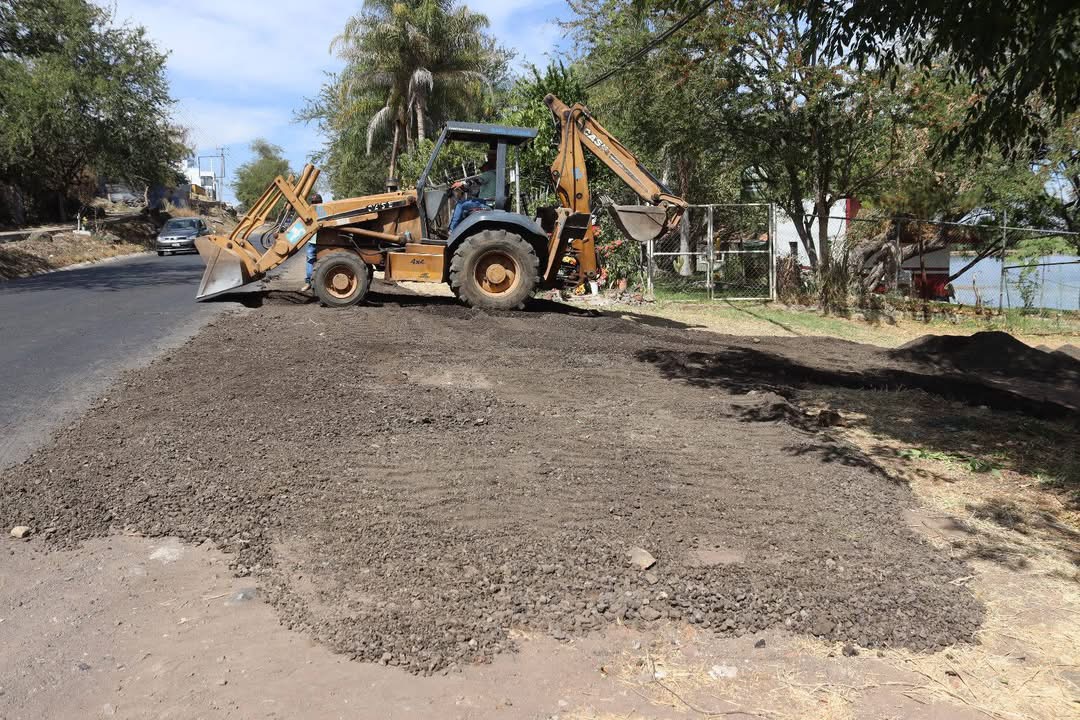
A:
[347,168]
[660,106]
[80,98]
[738,87]
[410,65]
[620,259]
[254,176]
[524,107]
[972,463]
[1020,58]
[748,88]
[1028,254]
[456,160]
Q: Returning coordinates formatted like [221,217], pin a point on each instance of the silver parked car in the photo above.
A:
[178,235]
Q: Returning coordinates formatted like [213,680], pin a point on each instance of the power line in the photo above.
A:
[660,37]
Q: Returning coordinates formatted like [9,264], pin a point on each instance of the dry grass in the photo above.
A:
[979,479]
[179,212]
[776,319]
[1030,638]
[51,252]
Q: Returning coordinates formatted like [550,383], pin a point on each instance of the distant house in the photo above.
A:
[204,184]
[787,237]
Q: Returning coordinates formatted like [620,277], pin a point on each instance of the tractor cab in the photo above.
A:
[471,163]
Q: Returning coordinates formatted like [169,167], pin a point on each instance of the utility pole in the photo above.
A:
[221,185]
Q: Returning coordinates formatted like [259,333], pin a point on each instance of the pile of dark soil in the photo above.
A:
[994,352]
[410,482]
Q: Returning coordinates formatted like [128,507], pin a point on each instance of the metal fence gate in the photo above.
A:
[720,252]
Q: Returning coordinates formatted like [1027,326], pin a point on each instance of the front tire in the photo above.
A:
[341,279]
[495,270]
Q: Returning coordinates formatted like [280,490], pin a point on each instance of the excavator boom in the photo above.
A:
[579,130]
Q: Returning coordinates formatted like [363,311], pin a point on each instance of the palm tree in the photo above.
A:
[425,57]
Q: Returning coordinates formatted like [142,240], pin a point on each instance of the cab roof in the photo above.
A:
[482,132]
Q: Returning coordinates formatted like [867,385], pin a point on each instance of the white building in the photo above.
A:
[201,177]
[787,237]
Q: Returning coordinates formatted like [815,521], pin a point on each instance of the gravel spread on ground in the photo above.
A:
[412,480]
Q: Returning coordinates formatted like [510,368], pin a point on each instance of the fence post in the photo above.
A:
[772,252]
[649,250]
[686,254]
[1004,241]
[709,259]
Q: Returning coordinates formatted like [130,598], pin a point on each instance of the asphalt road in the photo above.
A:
[64,336]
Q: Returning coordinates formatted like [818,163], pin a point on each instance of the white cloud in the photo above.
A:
[215,122]
[241,68]
[244,47]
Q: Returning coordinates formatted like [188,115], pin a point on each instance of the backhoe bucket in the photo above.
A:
[640,222]
[224,269]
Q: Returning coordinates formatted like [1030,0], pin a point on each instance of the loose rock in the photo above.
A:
[641,558]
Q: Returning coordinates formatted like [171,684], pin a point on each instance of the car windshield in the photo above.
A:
[180,225]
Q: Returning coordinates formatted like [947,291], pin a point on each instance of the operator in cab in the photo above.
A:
[479,190]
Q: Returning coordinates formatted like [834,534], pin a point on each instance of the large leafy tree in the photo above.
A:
[742,88]
[410,65]
[254,176]
[1021,58]
[79,97]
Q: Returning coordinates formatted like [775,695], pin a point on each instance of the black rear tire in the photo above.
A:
[161,253]
[341,279]
[495,270]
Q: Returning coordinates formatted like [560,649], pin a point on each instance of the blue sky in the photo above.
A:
[240,68]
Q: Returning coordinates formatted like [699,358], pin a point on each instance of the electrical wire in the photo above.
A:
[659,38]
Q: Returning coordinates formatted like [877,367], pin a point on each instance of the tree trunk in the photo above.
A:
[824,244]
[687,266]
[420,128]
[394,151]
[805,236]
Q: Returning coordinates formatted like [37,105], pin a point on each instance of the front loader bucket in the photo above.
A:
[640,222]
[224,269]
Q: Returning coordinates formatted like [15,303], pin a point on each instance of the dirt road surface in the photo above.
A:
[429,488]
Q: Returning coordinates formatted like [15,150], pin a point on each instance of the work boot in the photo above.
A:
[306,287]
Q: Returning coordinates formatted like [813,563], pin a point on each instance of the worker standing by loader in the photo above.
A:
[312,251]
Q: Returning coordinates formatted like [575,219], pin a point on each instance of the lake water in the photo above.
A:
[1058,285]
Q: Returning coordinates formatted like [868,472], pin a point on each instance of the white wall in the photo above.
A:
[787,234]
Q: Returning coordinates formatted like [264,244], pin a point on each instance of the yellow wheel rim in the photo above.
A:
[340,282]
[497,273]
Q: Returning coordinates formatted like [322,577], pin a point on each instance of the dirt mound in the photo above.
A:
[994,352]
[1069,351]
[434,477]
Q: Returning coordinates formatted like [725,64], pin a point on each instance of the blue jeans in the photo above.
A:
[463,207]
[310,261]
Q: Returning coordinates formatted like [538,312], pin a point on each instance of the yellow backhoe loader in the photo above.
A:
[494,258]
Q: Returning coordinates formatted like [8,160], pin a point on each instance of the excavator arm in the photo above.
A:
[579,130]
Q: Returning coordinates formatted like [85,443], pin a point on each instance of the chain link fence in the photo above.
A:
[719,251]
[979,265]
